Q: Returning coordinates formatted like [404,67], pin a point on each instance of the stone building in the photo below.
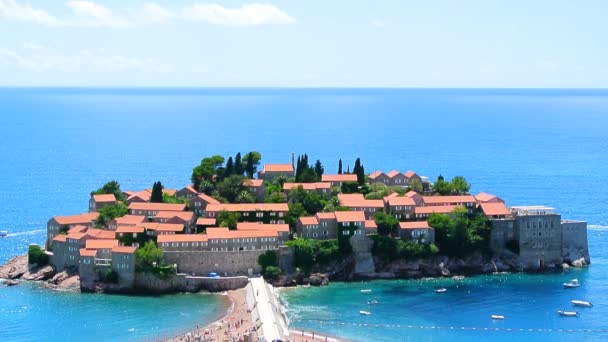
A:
[418,231]
[97,202]
[272,171]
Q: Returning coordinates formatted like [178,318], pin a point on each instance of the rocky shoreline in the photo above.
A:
[17,269]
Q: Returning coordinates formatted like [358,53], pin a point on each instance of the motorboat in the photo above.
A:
[373,301]
[572,284]
[365,313]
[366,291]
[568,313]
[441,290]
[497,317]
[582,303]
[3,233]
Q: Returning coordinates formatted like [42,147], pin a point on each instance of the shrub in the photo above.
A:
[36,255]
[272,272]
[109,276]
[268,258]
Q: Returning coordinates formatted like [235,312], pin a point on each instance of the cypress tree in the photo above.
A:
[319,169]
[238,165]
[157,193]
[340,166]
[249,168]
[229,167]
[298,168]
[361,175]
[348,169]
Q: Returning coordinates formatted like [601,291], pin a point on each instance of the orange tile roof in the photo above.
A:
[485,197]
[326,216]
[124,249]
[201,221]
[308,220]
[101,234]
[157,206]
[60,238]
[350,216]
[224,233]
[253,182]
[77,229]
[350,197]
[85,218]
[345,177]
[101,244]
[411,194]
[104,198]
[448,199]
[439,209]
[278,168]
[129,229]
[170,192]
[307,186]
[414,225]
[393,173]
[248,207]
[76,235]
[410,174]
[208,199]
[163,227]
[262,226]
[495,209]
[376,174]
[182,238]
[129,219]
[395,201]
[190,188]
[370,224]
[184,215]
[144,195]
[87,252]
[363,203]
[128,193]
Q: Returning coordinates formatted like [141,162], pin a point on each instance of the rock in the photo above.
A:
[317,279]
[565,266]
[43,273]
[59,277]
[14,268]
[10,282]
[579,262]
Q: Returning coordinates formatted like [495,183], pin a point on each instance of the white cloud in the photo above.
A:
[246,15]
[91,14]
[11,10]
[41,59]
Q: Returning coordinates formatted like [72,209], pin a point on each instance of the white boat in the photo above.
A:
[365,313]
[567,313]
[497,317]
[572,284]
[3,233]
[582,303]
[366,291]
[441,290]
[373,301]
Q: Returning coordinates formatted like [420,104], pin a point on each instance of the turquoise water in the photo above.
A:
[528,146]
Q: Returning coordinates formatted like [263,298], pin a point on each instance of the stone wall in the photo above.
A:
[222,263]
[540,240]
[502,232]
[574,241]
[149,283]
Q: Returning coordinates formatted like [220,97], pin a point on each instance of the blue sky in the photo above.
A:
[305,43]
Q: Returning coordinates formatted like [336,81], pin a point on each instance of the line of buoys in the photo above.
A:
[401,326]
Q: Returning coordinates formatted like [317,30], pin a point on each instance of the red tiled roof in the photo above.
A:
[307,186]
[170,192]
[494,209]
[157,206]
[184,215]
[392,173]
[278,168]
[363,203]
[326,216]
[376,174]
[350,216]
[439,209]
[129,220]
[254,183]
[101,234]
[262,226]
[60,238]
[76,235]
[163,227]
[248,207]
[129,229]
[182,238]
[345,177]
[411,194]
[85,218]
[350,197]
[104,198]
[224,233]
[410,174]
[144,195]
[485,197]
[87,252]
[190,189]
[308,220]
[201,221]
[405,201]
[208,199]
[77,229]
[370,224]
[448,199]
[414,225]
[124,249]
[101,244]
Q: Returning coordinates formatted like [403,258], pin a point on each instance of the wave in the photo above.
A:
[597,227]
[27,232]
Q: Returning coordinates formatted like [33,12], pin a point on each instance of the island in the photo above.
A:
[293,223]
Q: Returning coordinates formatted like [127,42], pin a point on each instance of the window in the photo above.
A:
[345,232]
[259,214]
[281,214]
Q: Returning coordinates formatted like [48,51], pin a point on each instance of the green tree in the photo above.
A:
[319,169]
[304,253]
[238,165]
[148,256]
[272,272]
[229,170]
[350,187]
[231,187]
[110,212]
[35,255]
[157,193]
[111,187]
[308,175]
[228,219]
[359,170]
[416,185]
[340,166]
[206,170]
[459,186]
[276,197]
[296,210]
[442,187]
[459,234]
[251,161]
[268,258]
[387,224]
[206,187]
[245,197]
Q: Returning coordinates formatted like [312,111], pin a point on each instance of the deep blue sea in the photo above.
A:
[527,146]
